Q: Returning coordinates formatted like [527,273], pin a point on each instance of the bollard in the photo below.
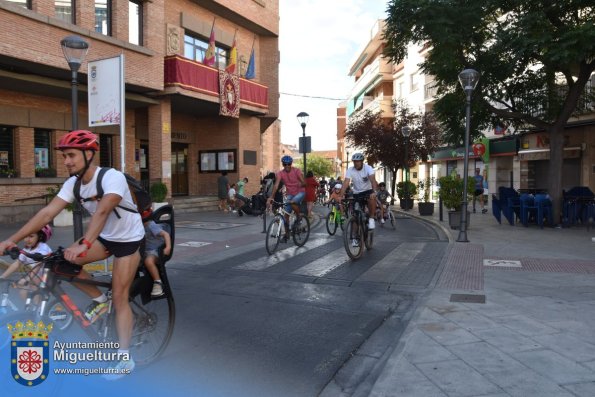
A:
[440,208]
[264,221]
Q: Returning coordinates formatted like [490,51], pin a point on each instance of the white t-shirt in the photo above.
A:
[231,193]
[42,248]
[129,226]
[361,179]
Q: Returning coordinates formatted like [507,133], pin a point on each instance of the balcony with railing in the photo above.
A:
[185,74]
[430,91]
[376,71]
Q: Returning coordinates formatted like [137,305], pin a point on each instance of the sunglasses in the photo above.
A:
[286,164]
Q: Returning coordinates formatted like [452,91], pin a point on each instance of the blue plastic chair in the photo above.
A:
[544,209]
[528,208]
[496,208]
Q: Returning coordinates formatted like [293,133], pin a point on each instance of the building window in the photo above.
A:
[103,17]
[22,3]
[195,48]
[414,83]
[217,160]
[6,153]
[43,152]
[106,154]
[135,22]
[64,10]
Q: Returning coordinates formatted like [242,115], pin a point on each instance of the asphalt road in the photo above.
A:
[249,324]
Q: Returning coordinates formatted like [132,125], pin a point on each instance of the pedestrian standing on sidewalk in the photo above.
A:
[240,196]
[486,192]
[479,190]
[311,188]
[222,190]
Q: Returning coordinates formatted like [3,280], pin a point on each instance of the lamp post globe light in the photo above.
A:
[75,49]
[468,79]
[406,131]
[303,120]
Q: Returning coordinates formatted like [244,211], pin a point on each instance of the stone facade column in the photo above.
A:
[58,162]
[24,146]
[160,143]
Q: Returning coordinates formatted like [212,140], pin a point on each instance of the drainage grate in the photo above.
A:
[468,298]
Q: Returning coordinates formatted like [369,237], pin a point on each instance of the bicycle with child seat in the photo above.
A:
[298,227]
[335,218]
[48,302]
[357,234]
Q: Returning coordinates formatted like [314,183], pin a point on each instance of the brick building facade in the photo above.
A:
[173,129]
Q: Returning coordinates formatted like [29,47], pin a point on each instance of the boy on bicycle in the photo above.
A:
[115,229]
[295,184]
[155,237]
[381,197]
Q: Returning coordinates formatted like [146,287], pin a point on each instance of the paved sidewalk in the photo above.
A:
[533,336]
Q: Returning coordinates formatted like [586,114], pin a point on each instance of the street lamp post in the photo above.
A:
[468,79]
[303,120]
[75,49]
[406,131]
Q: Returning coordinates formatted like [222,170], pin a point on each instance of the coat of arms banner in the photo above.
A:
[229,94]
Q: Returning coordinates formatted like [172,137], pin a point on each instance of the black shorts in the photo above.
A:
[478,192]
[119,249]
[362,197]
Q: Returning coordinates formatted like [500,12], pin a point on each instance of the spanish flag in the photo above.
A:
[209,58]
[233,57]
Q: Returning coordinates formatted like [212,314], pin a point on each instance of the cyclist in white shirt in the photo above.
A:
[115,229]
[364,184]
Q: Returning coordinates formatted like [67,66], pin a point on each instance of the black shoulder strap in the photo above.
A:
[99,186]
[99,195]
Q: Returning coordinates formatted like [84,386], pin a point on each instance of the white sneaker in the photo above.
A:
[119,370]
[382,221]
[371,224]
[354,243]
[157,289]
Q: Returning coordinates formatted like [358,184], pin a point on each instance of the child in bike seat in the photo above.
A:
[336,196]
[155,237]
[381,198]
[35,243]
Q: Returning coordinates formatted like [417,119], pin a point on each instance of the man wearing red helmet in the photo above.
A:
[115,229]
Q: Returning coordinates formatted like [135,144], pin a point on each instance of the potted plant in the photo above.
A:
[7,173]
[64,217]
[451,194]
[41,172]
[158,193]
[406,191]
[424,205]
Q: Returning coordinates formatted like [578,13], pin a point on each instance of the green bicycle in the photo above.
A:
[334,219]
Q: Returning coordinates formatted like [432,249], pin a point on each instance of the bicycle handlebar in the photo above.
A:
[14,253]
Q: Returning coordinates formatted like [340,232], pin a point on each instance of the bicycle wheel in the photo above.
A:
[301,231]
[353,239]
[393,222]
[153,326]
[274,234]
[331,224]
[369,238]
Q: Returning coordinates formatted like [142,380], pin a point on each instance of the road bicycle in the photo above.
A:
[154,318]
[299,228]
[357,234]
[334,219]
[388,215]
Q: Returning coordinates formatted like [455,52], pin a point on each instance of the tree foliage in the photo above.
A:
[319,165]
[383,143]
[535,58]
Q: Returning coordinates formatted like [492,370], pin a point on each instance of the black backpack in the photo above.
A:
[140,196]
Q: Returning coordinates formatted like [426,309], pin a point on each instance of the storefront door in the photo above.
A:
[179,169]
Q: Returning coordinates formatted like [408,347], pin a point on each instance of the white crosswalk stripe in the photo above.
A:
[264,262]
[397,259]
[322,266]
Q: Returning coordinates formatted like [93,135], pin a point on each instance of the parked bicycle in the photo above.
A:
[298,227]
[357,234]
[153,317]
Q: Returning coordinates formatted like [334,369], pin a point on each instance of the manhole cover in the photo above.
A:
[501,263]
[468,298]
[207,225]
[194,244]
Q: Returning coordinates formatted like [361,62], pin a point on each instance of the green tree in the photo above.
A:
[383,143]
[317,164]
[535,58]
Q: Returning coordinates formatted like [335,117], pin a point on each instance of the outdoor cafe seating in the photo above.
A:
[524,206]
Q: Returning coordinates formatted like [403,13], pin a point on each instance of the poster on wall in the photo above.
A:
[143,158]
[105,91]
[226,161]
[41,157]
[208,162]
[3,158]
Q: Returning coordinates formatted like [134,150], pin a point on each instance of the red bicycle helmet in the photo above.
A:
[79,139]
[45,233]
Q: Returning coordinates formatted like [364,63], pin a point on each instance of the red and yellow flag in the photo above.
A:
[233,58]
[209,58]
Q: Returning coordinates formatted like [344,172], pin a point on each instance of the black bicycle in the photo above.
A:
[357,234]
[47,301]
